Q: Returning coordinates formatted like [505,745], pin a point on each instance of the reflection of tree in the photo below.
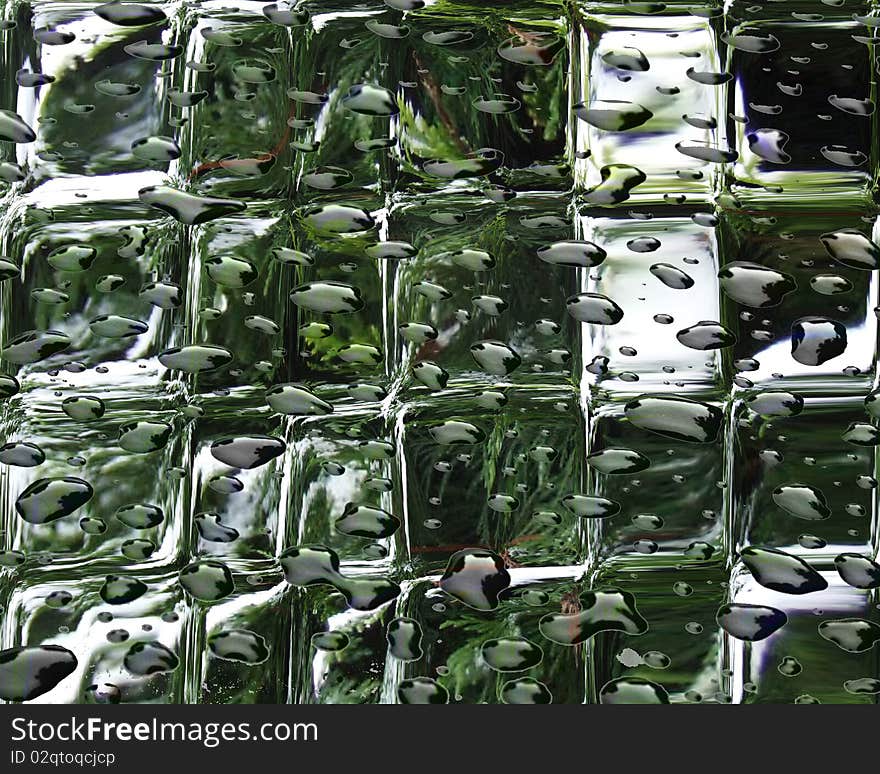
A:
[103,136]
[496,466]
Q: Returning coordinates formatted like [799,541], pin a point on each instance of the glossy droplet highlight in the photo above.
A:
[750,623]
[29,672]
[604,610]
[475,577]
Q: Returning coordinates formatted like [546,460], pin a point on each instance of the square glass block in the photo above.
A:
[409,189]
[343,490]
[284,76]
[483,100]
[478,305]
[343,96]
[130,652]
[80,292]
[661,272]
[480,657]
[649,96]
[338,655]
[240,478]
[240,647]
[678,656]
[71,492]
[340,298]
[824,652]
[68,76]
[805,121]
[667,494]
[236,301]
[234,72]
[798,292]
[495,478]
[804,482]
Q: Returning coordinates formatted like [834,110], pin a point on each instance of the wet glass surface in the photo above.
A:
[423,351]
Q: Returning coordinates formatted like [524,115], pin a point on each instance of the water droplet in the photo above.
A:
[165,295]
[632,690]
[750,622]
[207,581]
[120,590]
[297,400]
[852,105]
[14,129]
[231,271]
[613,115]
[130,14]
[706,335]
[140,515]
[627,58]
[241,645]
[157,149]
[790,667]
[862,434]
[188,208]
[137,549]
[682,589]
[862,686]
[103,693]
[317,565]
[802,500]
[572,253]
[212,530]
[779,571]
[421,690]
[247,452]
[29,672]
[525,690]
[144,436]
[511,654]
[769,145]
[853,635]
[34,346]
[475,577]
[366,521]
[594,308]
[858,571]
[775,403]
[417,333]
[22,454]
[370,100]
[195,358]
[150,658]
[672,276]
[328,297]
[853,249]
[604,610]
[405,639]
[495,357]
[677,418]
[456,432]
[114,326]
[286,16]
[751,40]
[753,285]
[590,506]
[338,219]
[618,180]
[49,499]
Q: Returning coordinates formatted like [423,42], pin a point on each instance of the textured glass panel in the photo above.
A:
[447,352]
